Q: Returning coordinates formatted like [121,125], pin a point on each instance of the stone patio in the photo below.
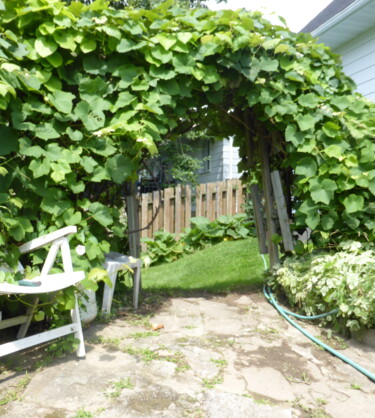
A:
[215,356]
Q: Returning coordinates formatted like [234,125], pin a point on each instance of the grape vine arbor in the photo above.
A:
[88,92]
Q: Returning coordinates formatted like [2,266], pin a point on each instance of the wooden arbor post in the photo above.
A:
[268,199]
[254,190]
[282,211]
[132,209]
[266,245]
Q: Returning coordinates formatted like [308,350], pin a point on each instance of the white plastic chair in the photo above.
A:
[113,263]
[45,283]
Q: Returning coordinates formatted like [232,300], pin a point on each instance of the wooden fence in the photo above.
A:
[178,204]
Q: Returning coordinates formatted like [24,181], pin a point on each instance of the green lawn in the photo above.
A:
[226,266]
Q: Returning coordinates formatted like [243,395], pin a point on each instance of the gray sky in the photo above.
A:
[297,13]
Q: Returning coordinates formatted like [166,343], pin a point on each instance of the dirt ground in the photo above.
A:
[212,356]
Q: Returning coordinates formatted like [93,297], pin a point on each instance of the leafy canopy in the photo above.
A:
[150,4]
[88,91]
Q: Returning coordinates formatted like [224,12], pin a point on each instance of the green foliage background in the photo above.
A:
[88,91]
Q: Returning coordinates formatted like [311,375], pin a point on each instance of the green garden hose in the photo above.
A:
[271,299]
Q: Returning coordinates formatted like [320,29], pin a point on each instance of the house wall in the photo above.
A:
[230,160]
[215,170]
[358,57]
[223,162]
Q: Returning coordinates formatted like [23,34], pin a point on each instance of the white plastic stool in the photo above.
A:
[113,263]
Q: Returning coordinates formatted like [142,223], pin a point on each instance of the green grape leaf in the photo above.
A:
[353,203]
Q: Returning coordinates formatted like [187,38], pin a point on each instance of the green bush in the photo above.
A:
[319,282]
[224,228]
[165,248]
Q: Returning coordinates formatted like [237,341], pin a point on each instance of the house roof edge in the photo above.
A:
[340,16]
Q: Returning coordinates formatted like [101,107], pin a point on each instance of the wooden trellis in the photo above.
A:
[270,206]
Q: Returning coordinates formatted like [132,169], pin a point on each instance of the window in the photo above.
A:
[205,156]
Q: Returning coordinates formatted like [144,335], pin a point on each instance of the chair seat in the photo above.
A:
[113,257]
[49,283]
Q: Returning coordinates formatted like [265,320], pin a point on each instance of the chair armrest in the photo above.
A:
[47,239]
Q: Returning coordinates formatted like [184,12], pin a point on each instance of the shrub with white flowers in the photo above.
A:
[319,282]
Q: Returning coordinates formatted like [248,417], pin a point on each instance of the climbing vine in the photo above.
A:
[87,92]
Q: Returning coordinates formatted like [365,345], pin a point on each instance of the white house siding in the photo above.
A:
[223,162]
[358,57]
[215,169]
[231,158]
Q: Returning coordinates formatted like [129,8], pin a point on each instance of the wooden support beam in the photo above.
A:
[132,209]
[259,223]
[282,211]
[251,149]
[268,198]
[133,222]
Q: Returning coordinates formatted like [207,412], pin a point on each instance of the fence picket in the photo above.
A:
[210,201]
[176,206]
[187,207]
[229,193]
[155,204]
[144,219]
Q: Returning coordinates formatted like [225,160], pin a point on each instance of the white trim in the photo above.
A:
[230,157]
[348,11]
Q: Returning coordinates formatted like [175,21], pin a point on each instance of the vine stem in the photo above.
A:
[157,209]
